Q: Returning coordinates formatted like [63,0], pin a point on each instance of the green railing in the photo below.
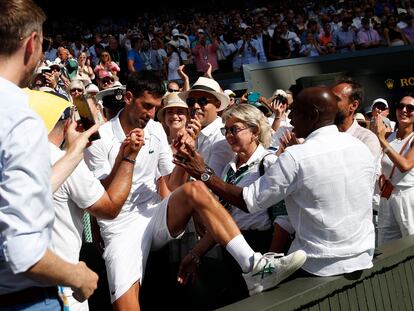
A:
[388,285]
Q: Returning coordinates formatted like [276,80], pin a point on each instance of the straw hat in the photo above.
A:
[171,100]
[209,86]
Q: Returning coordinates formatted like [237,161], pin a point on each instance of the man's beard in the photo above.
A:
[340,118]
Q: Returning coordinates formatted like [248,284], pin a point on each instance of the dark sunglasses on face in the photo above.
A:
[106,80]
[171,90]
[233,130]
[408,107]
[202,101]
[77,90]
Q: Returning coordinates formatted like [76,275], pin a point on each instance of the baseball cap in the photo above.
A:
[380,101]
[230,93]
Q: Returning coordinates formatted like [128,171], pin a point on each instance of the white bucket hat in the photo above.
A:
[209,86]
[170,100]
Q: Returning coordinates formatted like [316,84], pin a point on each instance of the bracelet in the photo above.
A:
[277,118]
[194,256]
[128,160]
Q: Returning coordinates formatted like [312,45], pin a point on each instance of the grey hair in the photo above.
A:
[251,116]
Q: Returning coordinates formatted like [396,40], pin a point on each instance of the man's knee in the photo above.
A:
[196,191]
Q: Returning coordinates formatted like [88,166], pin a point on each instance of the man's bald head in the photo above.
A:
[313,108]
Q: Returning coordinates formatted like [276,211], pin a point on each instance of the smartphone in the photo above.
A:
[86,117]
[253,97]
[193,113]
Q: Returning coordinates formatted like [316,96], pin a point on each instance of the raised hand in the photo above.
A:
[194,127]
[133,143]
[278,107]
[77,141]
[288,139]
[189,159]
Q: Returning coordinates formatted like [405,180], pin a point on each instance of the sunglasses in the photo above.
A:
[202,101]
[106,80]
[76,90]
[233,130]
[171,90]
[408,107]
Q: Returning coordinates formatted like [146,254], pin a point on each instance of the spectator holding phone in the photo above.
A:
[395,214]
[205,99]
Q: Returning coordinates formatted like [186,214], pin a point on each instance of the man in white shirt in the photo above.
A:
[205,100]
[327,184]
[145,222]
[350,95]
[27,264]
[82,192]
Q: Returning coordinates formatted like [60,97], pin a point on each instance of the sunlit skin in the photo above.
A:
[403,116]
[208,113]
[244,143]
[376,111]
[138,111]
[176,119]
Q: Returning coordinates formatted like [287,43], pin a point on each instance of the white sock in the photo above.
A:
[241,252]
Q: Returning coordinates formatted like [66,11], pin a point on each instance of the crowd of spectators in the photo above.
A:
[230,38]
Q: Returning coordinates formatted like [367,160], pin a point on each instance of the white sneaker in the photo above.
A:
[272,268]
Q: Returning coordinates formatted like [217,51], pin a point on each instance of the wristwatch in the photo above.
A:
[207,174]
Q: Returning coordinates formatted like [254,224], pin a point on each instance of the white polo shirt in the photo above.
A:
[156,153]
[327,183]
[213,146]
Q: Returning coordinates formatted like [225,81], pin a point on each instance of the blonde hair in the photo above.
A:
[251,116]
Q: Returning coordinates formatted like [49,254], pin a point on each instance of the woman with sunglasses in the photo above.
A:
[396,212]
[248,134]
[106,64]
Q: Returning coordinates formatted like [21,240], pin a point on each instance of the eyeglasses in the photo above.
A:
[233,130]
[408,107]
[202,101]
[171,90]
[76,90]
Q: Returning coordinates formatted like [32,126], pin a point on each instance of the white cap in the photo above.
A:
[229,92]
[43,67]
[175,32]
[92,88]
[359,117]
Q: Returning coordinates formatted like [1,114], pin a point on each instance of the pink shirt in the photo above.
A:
[204,55]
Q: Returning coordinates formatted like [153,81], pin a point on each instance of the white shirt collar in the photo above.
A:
[255,157]
[322,131]
[212,127]
[353,127]
[117,127]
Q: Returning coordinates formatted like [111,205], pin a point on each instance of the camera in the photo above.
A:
[46,71]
